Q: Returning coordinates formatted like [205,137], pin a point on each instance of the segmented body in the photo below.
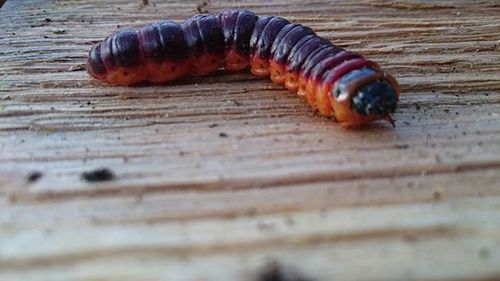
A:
[326,76]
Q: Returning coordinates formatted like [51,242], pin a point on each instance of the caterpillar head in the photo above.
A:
[364,96]
[378,99]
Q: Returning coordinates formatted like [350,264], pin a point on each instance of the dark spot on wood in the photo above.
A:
[34,176]
[436,195]
[48,20]
[102,174]
[213,125]
[401,146]
[223,135]
[59,31]
[145,2]
[273,271]
[201,7]
[484,253]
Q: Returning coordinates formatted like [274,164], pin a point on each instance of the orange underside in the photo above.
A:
[235,61]
[315,93]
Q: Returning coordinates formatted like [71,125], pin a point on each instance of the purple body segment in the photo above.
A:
[211,33]
[126,48]
[316,57]
[163,40]
[107,55]
[172,42]
[331,62]
[298,46]
[279,37]
[243,31]
[228,22]
[269,35]
[151,45]
[259,26]
[192,38]
[301,54]
[282,48]
[96,64]
[203,33]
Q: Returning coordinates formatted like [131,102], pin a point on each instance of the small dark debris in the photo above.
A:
[48,20]
[213,125]
[265,226]
[436,195]
[417,106]
[145,2]
[59,31]
[7,97]
[202,7]
[484,253]
[223,135]
[102,174]
[34,176]
[447,111]
[410,238]
[401,146]
[276,272]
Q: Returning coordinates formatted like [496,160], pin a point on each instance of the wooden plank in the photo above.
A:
[418,202]
[425,241]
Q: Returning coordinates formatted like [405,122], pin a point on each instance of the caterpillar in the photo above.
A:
[336,82]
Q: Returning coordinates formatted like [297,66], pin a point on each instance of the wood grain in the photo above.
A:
[221,177]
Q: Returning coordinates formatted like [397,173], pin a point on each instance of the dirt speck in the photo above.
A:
[202,7]
[274,271]
[58,31]
[97,175]
[34,176]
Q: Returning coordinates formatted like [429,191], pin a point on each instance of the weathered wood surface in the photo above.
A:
[418,202]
